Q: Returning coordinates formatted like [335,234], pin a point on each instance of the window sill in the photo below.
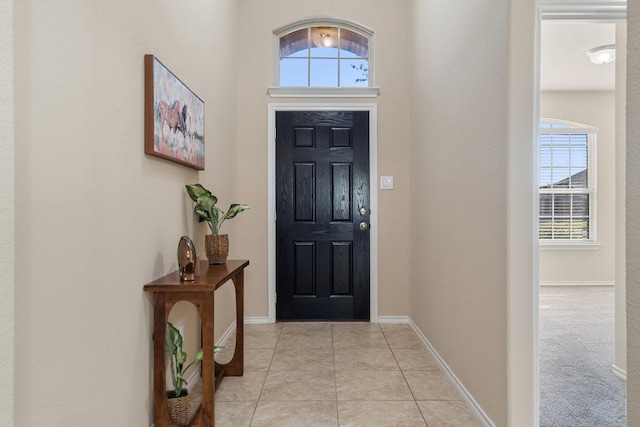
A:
[324,92]
[569,246]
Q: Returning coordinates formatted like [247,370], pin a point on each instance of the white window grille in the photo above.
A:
[323,53]
[567,182]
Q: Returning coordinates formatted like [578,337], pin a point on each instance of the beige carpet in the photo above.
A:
[577,385]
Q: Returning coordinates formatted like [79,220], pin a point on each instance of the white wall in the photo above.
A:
[96,219]
[522,246]
[7,214]
[595,109]
[472,260]
[633,213]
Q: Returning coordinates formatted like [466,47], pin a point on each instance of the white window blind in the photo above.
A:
[567,185]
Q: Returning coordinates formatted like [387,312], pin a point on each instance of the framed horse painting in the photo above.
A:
[174,117]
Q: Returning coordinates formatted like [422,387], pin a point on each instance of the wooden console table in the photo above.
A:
[167,291]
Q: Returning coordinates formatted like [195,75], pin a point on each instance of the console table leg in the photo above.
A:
[208,362]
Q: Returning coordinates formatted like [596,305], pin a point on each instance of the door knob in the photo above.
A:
[363,226]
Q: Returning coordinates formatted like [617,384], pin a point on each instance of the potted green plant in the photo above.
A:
[178,398]
[216,244]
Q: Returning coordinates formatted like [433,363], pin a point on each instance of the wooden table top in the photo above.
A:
[211,278]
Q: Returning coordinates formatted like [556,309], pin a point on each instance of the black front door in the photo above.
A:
[322,215]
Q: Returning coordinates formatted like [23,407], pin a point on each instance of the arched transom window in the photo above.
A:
[323,53]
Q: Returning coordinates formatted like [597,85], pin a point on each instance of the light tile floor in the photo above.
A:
[337,374]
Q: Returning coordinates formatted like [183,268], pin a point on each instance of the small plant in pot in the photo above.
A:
[178,398]
[216,244]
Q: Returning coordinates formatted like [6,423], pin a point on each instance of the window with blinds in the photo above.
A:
[567,185]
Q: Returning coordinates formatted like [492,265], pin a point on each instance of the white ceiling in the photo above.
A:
[563,63]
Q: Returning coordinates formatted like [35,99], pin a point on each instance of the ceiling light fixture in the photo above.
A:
[324,36]
[326,39]
[602,54]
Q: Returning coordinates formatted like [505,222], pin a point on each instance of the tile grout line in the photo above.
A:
[334,364]
[335,376]
[255,409]
[415,402]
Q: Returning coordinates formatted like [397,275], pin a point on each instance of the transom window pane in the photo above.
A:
[324,42]
[324,56]
[295,43]
[324,73]
[354,44]
[296,69]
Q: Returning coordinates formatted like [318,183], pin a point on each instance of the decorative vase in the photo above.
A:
[187,259]
[216,247]
[179,408]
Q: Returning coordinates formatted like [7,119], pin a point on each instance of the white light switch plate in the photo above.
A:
[386,183]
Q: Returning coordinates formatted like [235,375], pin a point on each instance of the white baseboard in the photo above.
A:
[473,405]
[256,320]
[577,283]
[195,375]
[393,319]
[381,319]
[193,378]
[225,337]
[620,373]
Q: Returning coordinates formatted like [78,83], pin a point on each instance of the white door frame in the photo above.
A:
[271,193]
[559,10]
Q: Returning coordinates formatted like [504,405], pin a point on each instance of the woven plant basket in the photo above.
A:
[216,247]
[179,409]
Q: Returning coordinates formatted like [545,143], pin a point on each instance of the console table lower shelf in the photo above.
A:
[167,291]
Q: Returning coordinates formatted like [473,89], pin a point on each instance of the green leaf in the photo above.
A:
[174,380]
[195,191]
[206,203]
[200,355]
[206,200]
[181,357]
[202,214]
[206,210]
[234,210]
[214,223]
[177,338]
[198,358]
[169,339]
